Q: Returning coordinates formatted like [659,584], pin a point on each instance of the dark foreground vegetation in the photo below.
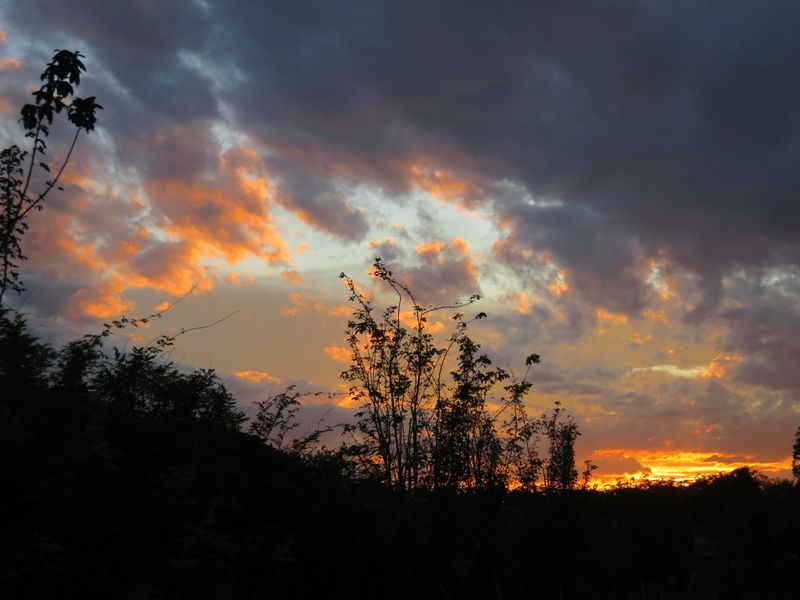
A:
[123,476]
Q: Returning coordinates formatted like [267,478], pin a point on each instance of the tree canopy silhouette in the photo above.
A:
[425,420]
[60,78]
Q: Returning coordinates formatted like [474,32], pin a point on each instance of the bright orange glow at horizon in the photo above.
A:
[679,465]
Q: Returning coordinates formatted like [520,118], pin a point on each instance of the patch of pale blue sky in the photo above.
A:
[784,278]
[221,76]
[226,136]
[674,371]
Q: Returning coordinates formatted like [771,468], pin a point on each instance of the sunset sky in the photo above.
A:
[618,181]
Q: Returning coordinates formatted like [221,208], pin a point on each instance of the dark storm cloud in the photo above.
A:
[678,121]
[316,201]
[139,43]
[666,129]
[604,263]
[764,331]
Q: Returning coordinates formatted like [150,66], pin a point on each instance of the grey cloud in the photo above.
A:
[139,42]
[315,200]
[387,250]
[563,386]
[666,120]
[764,330]
[443,277]
[603,263]
[677,123]
[666,130]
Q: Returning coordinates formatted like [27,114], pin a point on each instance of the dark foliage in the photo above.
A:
[17,167]
[124,477]
[435,414]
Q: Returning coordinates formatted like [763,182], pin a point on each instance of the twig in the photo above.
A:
[217,322]
[50,186]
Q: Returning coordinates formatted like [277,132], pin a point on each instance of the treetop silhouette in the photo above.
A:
[426,419]
[60,78]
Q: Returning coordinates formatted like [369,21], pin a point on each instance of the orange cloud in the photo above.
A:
[558,284]
[349,399]
[435,327]
[103,302]
[10,63]
[718,367]
[610,317]
[256,376]
[300,302]
[523,303]
[338,353]
[290,311]
[227,216]
[161,307]
[240,279]
[431,250]
[292,277]
[446,272]
[113,240]
[378,243]
[409,319]
[7,106]
[443,185]
[639,339]
[557,288]
[657,316]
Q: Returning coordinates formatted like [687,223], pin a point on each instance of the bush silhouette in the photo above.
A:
[424,420]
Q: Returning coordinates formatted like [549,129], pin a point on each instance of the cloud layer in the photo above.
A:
[617,178]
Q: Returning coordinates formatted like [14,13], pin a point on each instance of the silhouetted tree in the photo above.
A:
[467,451]
[521,433]
[559,470]
[56,94]
[419,429]
[396,374]
[796,455]
[276,420]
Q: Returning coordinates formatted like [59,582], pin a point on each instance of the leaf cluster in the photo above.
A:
[60,78]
